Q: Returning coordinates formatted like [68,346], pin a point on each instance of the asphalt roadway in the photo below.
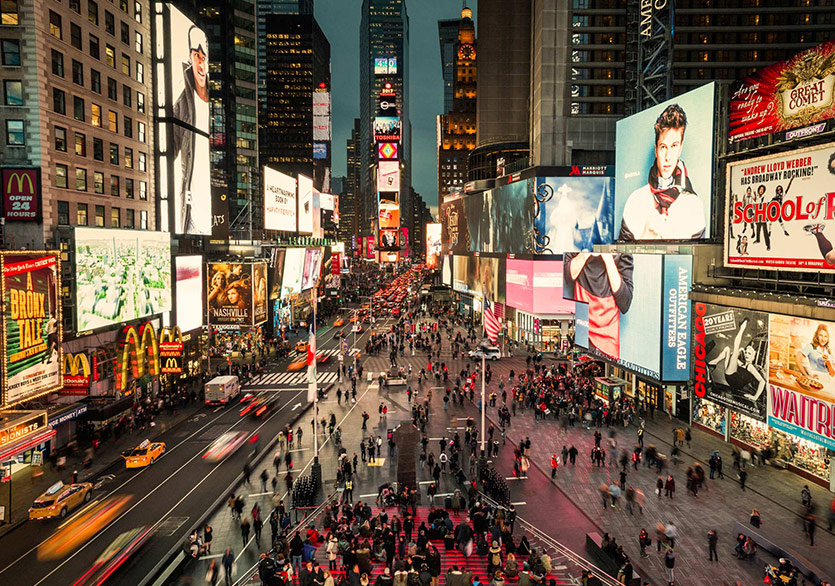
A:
[171,495]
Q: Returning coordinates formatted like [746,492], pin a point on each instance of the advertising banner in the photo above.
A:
[387,151]
[480,275]
[389,239]
[385,65]
[780,211]
[279,200]
[388,176]
[277,264]
[220,213]
[675,329]
[574,212]
[386,128]
[291,282]
[536,286]
[500,220]
[21,194]
[389,215]
[230,295]
[317,214]
[76,373]
[664,173]
[189,292]
[312,268]
[305,185]
[433,244]
[369,247]
[446,271]
[259,293]
[785,95]
[454,229]
[388,256]
[31,325]
[801,392]
[730,354]
[581,325]
[120,275]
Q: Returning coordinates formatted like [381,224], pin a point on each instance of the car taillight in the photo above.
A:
[260,411]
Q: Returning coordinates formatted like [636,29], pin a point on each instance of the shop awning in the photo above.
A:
[27,443]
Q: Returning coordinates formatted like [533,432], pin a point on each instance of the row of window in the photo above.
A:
[80,143]
[59,105]
[82,216]
[62,180]
[95,82]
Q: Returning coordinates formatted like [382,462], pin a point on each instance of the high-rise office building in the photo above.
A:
[448,36]
[384,34]
[294,139]
[348,203]
[457,126]
[265,8]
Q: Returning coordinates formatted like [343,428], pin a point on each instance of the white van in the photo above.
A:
[490,353]
[222,389]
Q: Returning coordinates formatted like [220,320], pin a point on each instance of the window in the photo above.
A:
[140,131]
[98,182]
[75,6]
[112,89]
[140,102]
[57,63]
[128,158]
[11,51]
[61,139]
[137,42]
[123,4]
[93,12]
[143,220]
[98,149]
[78,108]
[114,154]
[80,144]
[95,115]
[8,13]
[63,213]
[124,31]
[143,191]
[77,73]
[59,101]
[137,12]
[128,218]
[125,64]
[75,35]
[109,23]
[61,176]
[129,188]
[55,25]
[13,92]
[94,47]
[14,133]
[143,164]
[110,56]
[127,95]
[128,126]
[114,186]
[140,72]
[81,214]
[112,121]
[100,216]
[95,81]
[81,179]
[115,218]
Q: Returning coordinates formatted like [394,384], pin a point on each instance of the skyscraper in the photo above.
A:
[448,36]
[348,203]
[265,8]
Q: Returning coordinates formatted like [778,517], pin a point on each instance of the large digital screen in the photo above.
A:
[786,95]
[574,213]
[260,293]
[433,244]
[480,275]
[31,325]
[291,282]
[237,293]
[446,270]
[387,151]
[120,275]
[389,215]
[279,200]
[312,268]
[780,211]
[386,128]
[499,219]
[277,265]
[183,131]
[388,239]
[189,292]
[317,214]
[535,286]
[305,185]
[388,176]
[385,65]
[638,313]
[665,173]
[454,229]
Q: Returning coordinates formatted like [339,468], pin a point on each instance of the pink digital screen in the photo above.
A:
[535,286]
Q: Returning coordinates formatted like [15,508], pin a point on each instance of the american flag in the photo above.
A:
[311,361]
[492,326]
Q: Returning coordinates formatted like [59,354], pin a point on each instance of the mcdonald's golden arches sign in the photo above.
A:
[77,372]
[141,352]
[21,194]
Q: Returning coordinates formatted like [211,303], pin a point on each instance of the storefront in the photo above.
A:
[64,420]
[548,333]
[710,416]
[24,436]
[609,388]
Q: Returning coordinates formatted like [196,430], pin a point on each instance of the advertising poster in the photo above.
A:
[388,239]
[454,229]
[312,268]
[446,270]
[277,265]
[187,74]
[730,356]
[387,151]
[801,376]
[675,327]
[317,214]
[404,241]
[230,294]
[220,213]
[279,201]
[537,287]
[31,325]
[21,194]
[780,211]
[500,220]
[189,271]
[665,173]
[573,213]
[581,325]
[623,292]
[786,95]
[480,275]
[259,293]
[120,275]
[386,128]
[389,215]
[291,282]
[388,256]
[369,247]
[388,176]
[433,244]
[305,185]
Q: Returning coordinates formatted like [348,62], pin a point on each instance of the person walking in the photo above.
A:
[669,486]
[743,474]
[247,472]
[806,497]
[228,561]
[670,564]
[712,538]
[257,525]
[245,530]
[644,541]
[212,574]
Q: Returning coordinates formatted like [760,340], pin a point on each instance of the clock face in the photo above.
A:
[466,51]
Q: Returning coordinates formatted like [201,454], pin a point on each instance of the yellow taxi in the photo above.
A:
[354,318]
[301,346]
[143,454]
[339,323]
[297,365]
[59,499]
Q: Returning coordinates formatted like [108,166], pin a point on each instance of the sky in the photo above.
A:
[340,21]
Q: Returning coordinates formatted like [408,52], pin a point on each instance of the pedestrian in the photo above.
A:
[755,518]
[809,526]
[264,477]
[670,564]
[554,464]
[207,537]
[669,486]
[247,472]
[688,436]
[806,497]
[245,530]
[212,573]
[644,541]
[257,525]
[743,474]
[228,561]
[622,482]
[711,546]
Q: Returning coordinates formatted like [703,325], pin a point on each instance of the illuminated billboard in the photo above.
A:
[389,239]
[279,200]
[664,173]
[780,211]
[305,185]
[388,256]
[291,282]
[789,94]
[388,176]
[480,275]
[433,245]
[387,151]
[385,65]
[189,271]
[260,293]
[120,275]
[21,194]
[237,293]
[536,286]
[386,128]
[312,268]
[321,116]
[31,325]
[454,229]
